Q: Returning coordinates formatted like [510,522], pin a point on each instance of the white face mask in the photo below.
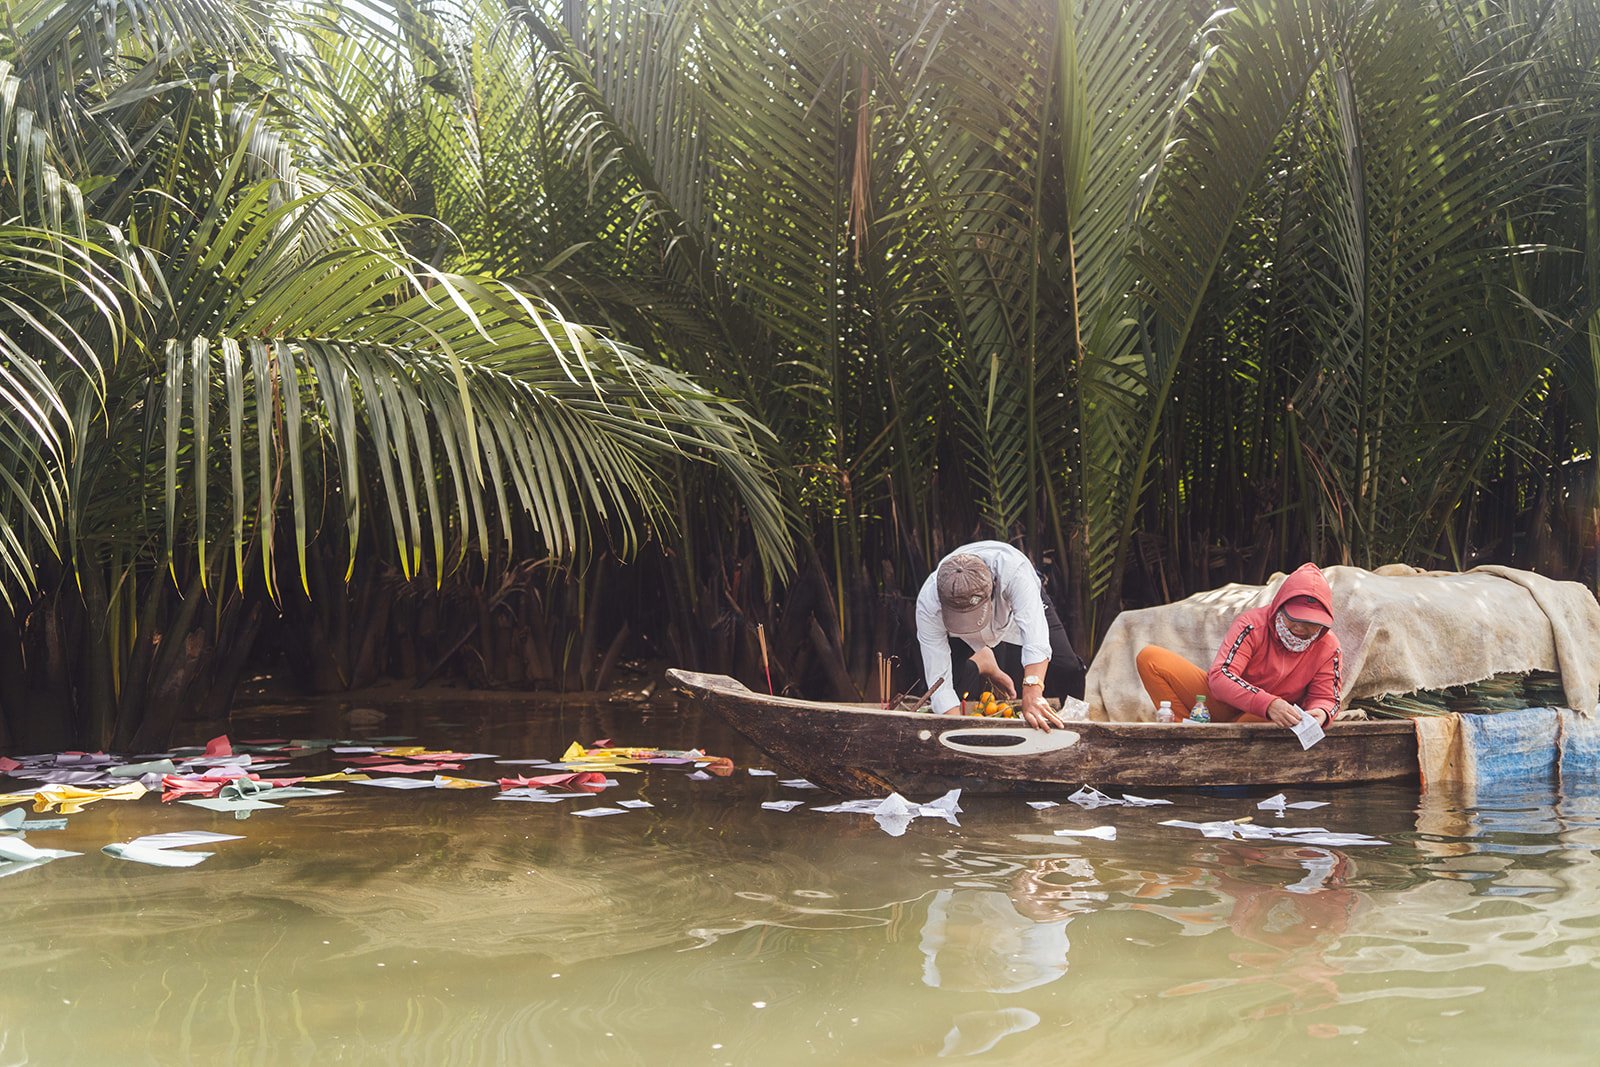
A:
[1290,641]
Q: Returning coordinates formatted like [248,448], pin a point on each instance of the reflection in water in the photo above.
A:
[1290,926]
[974,1032]
[974,940]
[444,928]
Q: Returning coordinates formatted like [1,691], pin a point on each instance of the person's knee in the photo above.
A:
[1147,657]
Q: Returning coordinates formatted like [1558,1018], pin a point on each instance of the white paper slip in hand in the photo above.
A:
[1308,730]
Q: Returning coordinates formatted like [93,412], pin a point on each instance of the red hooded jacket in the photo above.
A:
[1253,667]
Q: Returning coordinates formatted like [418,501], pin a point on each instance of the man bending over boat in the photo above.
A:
[984,614]
[1275,662]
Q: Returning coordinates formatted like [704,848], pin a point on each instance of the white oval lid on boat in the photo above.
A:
[1007,741]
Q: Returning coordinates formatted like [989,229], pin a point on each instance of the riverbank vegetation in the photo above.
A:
[503,338]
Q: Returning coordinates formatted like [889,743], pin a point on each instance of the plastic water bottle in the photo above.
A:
[1200,713]
[1164,712]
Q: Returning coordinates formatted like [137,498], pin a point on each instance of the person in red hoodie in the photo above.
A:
[1274,663]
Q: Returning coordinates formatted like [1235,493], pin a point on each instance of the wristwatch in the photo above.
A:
[1031,679]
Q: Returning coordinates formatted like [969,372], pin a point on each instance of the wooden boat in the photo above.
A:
[862,750]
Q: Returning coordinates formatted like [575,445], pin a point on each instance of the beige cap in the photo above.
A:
[966,593]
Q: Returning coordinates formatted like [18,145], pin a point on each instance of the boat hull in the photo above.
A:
[859,750]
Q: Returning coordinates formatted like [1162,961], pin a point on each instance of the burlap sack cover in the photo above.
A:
[1401,630]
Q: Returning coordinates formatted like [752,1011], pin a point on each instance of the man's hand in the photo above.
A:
[1037,713]
[1283,713]
[984,660]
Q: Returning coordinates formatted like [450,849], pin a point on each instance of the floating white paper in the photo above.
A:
[1088,797]
[894,812]
[1288,835]
[155,857]
[1040,805]
[894,805]
[180,838]
[1103,833]
[634,804]
[758,772]
[14,848]
[10,867]
[589,813]
[781,805]
[1141,802]
[1333,840]
[532,796]
[219,804]
[1278,802]
[796,783]
[398,783]
[699,776]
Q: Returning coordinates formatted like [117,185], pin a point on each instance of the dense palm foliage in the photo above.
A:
[1168,292]
[220,351]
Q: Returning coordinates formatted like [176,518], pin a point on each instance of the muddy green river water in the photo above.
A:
[441,927]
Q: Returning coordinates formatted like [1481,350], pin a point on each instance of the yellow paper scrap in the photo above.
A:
[444,781]
[72,799]
[574,751]
[408,750]
[340,776]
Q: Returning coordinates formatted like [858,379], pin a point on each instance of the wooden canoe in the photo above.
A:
[861,750]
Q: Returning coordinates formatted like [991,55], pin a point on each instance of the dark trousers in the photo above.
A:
[1065,677]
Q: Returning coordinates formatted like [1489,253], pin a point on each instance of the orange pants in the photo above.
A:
[1168,676]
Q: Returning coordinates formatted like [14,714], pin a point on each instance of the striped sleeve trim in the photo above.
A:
[1226,667]
[1338,686]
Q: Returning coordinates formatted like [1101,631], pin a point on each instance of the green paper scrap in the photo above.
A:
[139,770]
[289,792]
[240,788]
[16,820]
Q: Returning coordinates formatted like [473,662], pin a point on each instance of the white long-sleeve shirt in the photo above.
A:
[1018,617]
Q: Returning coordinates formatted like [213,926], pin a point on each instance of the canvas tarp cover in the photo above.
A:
[1401,630]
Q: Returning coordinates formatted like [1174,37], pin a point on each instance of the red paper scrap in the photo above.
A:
[177,787]
[7,764]
[174,788]
[577,779]
[219,746]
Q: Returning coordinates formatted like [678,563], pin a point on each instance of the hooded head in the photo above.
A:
[1304,598]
